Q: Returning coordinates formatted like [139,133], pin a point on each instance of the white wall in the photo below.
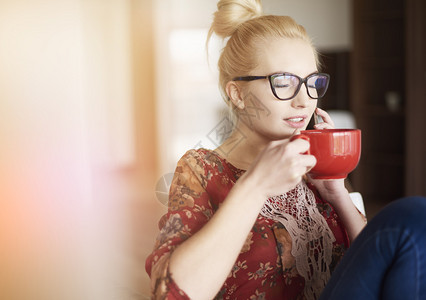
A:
[328,22]
[189,105]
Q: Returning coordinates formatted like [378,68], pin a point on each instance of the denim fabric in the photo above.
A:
[388,259]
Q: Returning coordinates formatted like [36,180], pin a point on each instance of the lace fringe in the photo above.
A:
[312,238]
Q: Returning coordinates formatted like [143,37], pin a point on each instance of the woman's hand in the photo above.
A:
[330,190]
[280,167]
[335,192]
[327,121]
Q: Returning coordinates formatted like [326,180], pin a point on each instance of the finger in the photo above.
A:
[311,161]
[296,171]
[282,143]
[300,145]
[300,167]
[325,116]
[323,126]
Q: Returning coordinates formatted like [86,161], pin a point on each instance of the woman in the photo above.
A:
[244,221]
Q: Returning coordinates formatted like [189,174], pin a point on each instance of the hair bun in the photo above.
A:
[232,13]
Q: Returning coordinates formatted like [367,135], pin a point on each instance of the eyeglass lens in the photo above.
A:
[287,85]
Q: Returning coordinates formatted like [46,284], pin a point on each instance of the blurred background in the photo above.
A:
[100,98]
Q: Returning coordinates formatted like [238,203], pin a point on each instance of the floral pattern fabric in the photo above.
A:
[265,267]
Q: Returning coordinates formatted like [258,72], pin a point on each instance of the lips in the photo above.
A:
[296,121]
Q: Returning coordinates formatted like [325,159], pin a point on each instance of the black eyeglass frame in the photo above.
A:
[301,81]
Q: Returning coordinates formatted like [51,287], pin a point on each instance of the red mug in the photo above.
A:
[337,151]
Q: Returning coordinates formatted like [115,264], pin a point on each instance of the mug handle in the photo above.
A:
[303,137]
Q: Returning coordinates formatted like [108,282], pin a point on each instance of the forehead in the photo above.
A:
[286,55]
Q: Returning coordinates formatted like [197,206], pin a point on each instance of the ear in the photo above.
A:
[234,93]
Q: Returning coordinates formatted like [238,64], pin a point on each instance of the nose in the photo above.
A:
[302,98]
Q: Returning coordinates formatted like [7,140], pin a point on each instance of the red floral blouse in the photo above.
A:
[265,268]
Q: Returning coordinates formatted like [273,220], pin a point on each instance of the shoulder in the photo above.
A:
[202,159]
[195,165]
[195,155]
[205,165]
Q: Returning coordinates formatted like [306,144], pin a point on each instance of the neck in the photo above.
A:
[242,147]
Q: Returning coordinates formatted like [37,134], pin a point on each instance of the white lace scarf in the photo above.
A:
[312,238]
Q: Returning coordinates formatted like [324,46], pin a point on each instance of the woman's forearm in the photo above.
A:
[351,218]
[201,264]
[335,193]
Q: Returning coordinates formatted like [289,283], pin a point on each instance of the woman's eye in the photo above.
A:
[281,85]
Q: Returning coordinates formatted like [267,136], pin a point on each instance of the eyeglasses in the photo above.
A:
[285,86]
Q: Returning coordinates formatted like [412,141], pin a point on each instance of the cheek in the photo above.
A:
[256,106]
[312,106]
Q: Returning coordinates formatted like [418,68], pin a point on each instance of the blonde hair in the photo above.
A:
[243,22]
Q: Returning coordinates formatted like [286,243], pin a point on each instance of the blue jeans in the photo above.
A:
[388,258]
